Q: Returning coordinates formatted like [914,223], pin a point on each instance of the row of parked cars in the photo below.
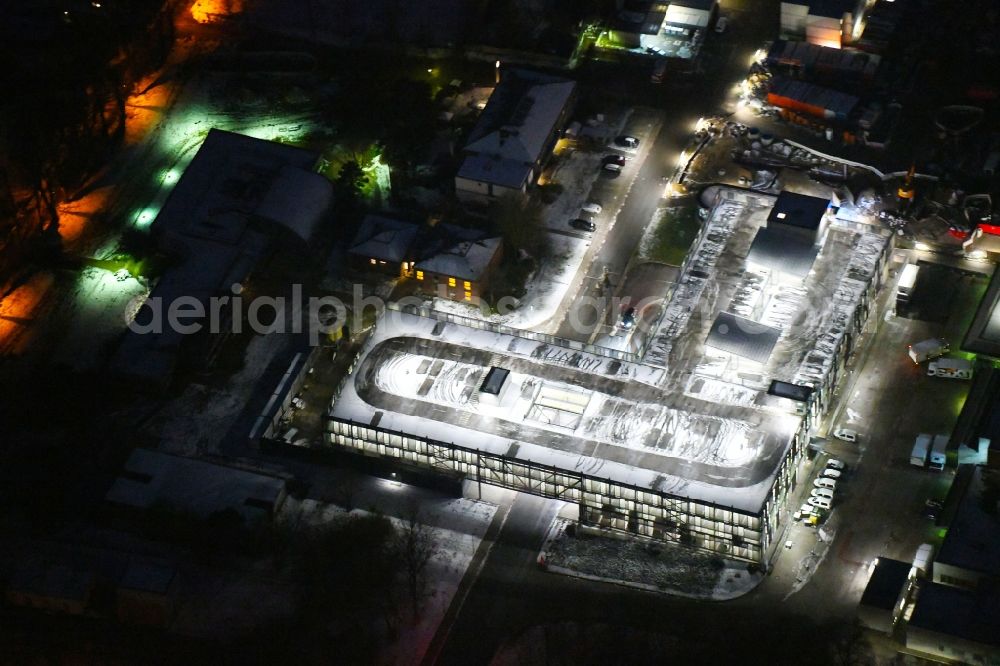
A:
[823,490]
[612,165]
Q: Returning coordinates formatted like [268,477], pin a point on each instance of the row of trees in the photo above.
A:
[69,109]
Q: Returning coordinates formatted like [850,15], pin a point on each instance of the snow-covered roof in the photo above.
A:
[486,168]
[782,253]
[467,260]
[297,200]
[383,237]
[565,408]
[523,112]
[218,221]
[742,337]
[153,478]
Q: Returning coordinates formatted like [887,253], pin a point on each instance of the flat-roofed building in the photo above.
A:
[956,625]
[238,200]
[885,595]
[746,341]
[150,479]
[800,215]
[786,258]
[970,552]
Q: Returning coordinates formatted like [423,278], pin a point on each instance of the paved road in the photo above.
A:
[683,101]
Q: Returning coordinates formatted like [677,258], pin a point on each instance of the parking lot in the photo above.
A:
[880,500]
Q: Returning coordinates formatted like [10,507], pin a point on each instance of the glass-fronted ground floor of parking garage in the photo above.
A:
[603,502]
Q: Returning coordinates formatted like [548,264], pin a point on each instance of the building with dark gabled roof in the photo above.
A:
[383,244]
[514,135]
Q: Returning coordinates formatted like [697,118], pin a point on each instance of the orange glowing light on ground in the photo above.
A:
[210,11]
[17,312]
[74,215]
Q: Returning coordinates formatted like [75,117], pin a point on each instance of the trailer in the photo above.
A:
[907,280]
[939,453]
[925,350]
[950,368]
[918,456]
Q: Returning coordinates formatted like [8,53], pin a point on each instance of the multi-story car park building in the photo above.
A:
[696,439]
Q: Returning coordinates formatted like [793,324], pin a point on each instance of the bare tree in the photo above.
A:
[416,548]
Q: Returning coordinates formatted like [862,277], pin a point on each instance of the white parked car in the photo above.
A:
[821,492]
[830,474]
[823,482]
[591,207]
[820,503]
[835,464]
[846,434]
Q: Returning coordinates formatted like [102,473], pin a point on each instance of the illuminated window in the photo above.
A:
[420,275]
[451,282]
[468,295]
[468,285]
[781,216]
[381,262]
[371,261]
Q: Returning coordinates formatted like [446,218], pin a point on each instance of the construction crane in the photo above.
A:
[905,190]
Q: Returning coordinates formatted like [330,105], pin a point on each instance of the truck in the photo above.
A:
[939,453]
[918,456]
[925,350]
[922,561]
[907,280]
[950,368]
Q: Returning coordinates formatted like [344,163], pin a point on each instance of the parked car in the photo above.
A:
[821,492]
[721,24]
[830,474]
[934,503]
[613,170]
[591,207]
[835,464]
[583,225]
[820,503]
[823,482]
[930,512]
[846,434]
[627,142]
[613,159]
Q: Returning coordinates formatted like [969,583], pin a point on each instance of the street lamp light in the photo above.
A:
[497,68]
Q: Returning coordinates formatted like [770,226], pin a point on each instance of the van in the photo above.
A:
[824,482]
[820,503]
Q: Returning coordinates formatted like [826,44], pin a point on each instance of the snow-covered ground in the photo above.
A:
[457,528]
[197,421]
[545,289]
[643,564]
